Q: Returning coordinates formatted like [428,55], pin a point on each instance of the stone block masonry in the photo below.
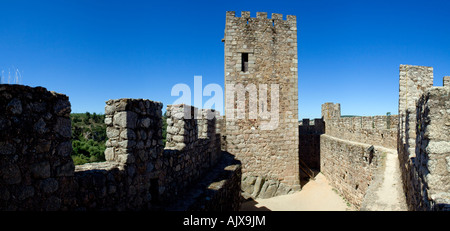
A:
[261,57]
[349,166]
[192,147]
[350,149]
[431,177]
[37,171]
[374,130]
[413,81]
[36,168]
[129,179]
[446,81]
[309,142]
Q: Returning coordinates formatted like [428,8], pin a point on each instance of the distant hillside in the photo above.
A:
[88,137]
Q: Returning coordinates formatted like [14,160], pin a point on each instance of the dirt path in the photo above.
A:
[316,195]
[386,192]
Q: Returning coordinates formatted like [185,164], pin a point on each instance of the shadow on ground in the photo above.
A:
[250,205]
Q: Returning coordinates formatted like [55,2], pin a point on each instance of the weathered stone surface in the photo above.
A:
[34,142]
[62,107]
[429,179]
[126,119]
[63,127]
[349,166]
[15,106]
[375,130]
[7,148]
[38,173]
[261,59]
[128,134]
[48,185]
[11,174]
[40,170]
[64,149]
[39,126]
[66,169]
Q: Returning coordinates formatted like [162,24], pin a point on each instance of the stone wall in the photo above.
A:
[309,142]
[431,179]
[352,149]
[446,81]
[37,171]
[349,166]
[130,178]
[36,168]
[192,146]
[261,59]
[331,110]
[375,130]
[413,81]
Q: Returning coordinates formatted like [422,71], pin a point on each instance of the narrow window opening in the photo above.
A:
[247,21]
[273,22]
[244,67]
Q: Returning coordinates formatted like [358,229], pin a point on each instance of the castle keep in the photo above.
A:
[261,60]
[258,149]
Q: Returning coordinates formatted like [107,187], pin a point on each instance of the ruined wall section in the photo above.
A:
[432,154]
[269,156]
[413,82]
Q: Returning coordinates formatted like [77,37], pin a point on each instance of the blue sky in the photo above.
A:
[349,51]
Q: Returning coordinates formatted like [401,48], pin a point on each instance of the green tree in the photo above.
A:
[88,137]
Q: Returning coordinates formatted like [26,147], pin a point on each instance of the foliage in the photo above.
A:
[88,137]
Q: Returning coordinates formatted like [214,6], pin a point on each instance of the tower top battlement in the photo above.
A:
[262,15]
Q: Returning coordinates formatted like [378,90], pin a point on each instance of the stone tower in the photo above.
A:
[261,105]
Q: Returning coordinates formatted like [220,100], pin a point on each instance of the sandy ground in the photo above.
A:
[316,195]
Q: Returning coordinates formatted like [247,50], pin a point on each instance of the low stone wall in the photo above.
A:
[37,171]
[349,166]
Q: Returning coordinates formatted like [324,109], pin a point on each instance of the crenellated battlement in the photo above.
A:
[38,173]
[446,81]
[262,15]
